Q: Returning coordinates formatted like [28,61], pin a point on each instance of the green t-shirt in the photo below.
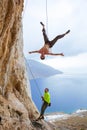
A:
[47,97]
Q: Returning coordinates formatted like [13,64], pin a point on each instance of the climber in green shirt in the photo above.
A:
[46,103]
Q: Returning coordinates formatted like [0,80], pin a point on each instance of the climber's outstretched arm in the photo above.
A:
[56,54]
[33,52]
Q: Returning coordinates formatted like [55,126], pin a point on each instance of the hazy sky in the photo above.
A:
[62,15]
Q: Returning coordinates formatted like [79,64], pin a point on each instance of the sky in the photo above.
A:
[58,16]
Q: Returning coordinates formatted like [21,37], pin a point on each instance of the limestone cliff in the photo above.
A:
[16,106]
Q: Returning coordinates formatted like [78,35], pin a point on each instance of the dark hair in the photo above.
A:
[47,89]
[42,57]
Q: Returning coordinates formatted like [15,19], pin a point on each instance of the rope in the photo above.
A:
[34,79]
[47,16]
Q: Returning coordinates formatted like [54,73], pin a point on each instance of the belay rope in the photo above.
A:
[47,16]
[46,12]
[28,63]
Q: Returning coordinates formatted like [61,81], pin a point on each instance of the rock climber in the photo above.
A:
[46,102]
[45,50]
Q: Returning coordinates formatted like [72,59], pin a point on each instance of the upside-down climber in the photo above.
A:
[45,50]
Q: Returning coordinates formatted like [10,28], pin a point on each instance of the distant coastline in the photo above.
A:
[55,116]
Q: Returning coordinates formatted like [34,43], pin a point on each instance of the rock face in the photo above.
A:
[16,106]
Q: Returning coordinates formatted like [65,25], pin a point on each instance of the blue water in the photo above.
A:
[68,92]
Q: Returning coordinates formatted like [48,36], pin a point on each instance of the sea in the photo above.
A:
[68,92]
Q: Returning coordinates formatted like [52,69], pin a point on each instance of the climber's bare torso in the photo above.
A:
[44,49]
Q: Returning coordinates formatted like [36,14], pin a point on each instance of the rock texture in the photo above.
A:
[16,106]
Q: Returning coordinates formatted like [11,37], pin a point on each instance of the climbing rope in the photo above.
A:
[26,3]
[28,63]
[47,16]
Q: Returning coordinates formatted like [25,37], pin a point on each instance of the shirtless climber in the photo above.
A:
[48,44]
